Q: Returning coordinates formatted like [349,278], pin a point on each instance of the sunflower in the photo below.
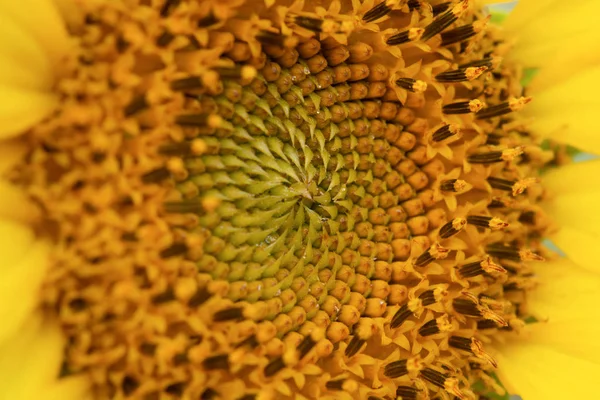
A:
[292,199]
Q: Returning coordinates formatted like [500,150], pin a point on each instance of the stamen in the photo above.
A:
[306,345]
[276,39]
[412,85]
[168,7]
[501,184]
[401,315]
[489,62]
[520,186]
[460,75]
[209,394]
[138,104]
[461,343]
[199,298]
[407,392]
[354,346]
[216,362]
[252,342]
[480,267]
[453,185]
[477,350]
[199,120]
[175,250]
[191,83]
[485,221]
[463,107]
[495,156]
[466,307]
[504,108]
[435,252]
[510,252]
[451,228]
[156,176]
[380,10]
[432,296]
[444,20]
[458,35]
[274,366]
[346,385]
[445,132]
[486,324]
[245,72]
[434,377]
[435,326]
[528,217]
[183,149]
[208,20]
[440,8]
[396,369]
[409,35]
[228,314]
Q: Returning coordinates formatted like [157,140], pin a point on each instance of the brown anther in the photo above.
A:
[460,75]
[412,85]
[495,156]
[503,108]
[199,120]
[407,392]
[485,221]
[451,228]
[480,267]
[435,252]
[463,107]
[379,11]
[436,326]
[396,369]
[460,34]
[444,20]
[445,132]
[409,35]
[434,377]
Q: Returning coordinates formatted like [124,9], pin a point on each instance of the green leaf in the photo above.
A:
[528,75]
[498,17]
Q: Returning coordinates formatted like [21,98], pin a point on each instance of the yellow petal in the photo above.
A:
[31,361]
[568,111]
[15,241]
[23,62]
[41,20]
[11,152]
[575,208]
[581,247]
[574,178]
[73,387]
[548,22]
[20,109]
[566,292]
[14,204]
[577,337]
[524,12]
[539,372]
[21,281]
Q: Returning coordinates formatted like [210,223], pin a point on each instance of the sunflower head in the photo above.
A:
[269,200]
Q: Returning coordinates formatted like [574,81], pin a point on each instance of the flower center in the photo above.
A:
[256,202]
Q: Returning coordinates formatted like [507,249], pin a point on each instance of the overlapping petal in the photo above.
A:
[575,208]
[562,347]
